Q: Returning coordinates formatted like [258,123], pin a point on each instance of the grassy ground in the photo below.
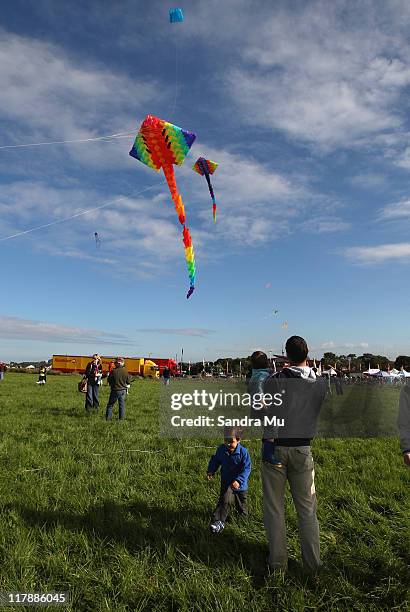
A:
[82,511]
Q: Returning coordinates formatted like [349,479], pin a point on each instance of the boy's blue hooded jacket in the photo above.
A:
[234,466]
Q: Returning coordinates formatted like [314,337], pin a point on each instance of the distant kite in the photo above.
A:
[268,285]
[206,167]
[176,15]
[285,325]
[160,144]
[97,240]
[275,312]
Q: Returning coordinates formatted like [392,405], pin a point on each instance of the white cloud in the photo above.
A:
[182,331]
[16,328]
[330,344]
[323,225]
[323,76]
[379,253]
[403,159]
[369,180]
[397,210]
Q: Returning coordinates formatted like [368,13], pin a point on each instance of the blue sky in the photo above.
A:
[304,105]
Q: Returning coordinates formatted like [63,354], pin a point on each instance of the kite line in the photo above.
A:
[80,214]
[176,15]
[78,140]
[176,80]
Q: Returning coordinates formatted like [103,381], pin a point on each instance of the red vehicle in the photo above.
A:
[166,363]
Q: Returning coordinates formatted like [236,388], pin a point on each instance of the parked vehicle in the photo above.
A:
[136,366]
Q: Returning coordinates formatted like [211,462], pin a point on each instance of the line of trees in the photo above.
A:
[350,362]
[360,363]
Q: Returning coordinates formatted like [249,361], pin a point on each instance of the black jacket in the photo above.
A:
[90,372]
[302,399]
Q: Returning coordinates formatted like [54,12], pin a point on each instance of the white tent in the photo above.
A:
[382,374]
[404,374]
[30,367]
[330,372]
[372,371]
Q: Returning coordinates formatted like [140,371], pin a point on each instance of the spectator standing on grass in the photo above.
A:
[2,369]
[403,423]
[235,463]
[166,375]
[42,375]
[119,381]
[93,374]
[302,397]
[339,382]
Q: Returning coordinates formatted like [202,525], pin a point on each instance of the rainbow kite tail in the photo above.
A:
[214,210]
[190,260]
[176,196]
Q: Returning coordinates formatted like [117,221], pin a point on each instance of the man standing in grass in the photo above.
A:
[118,381]
[166,375]
[302,397]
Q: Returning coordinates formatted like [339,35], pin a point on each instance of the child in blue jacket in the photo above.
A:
[235,465]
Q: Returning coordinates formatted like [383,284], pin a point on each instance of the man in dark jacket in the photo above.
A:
[166,375]
[118,379]
[292,460]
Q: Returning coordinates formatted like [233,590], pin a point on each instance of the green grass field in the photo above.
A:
[81,510]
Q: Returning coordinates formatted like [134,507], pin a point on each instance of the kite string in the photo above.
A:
[176,78]
[84,212]
[78,140]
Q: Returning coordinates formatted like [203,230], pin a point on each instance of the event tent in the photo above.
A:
[372,371]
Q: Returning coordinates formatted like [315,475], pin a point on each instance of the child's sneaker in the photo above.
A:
[217,527]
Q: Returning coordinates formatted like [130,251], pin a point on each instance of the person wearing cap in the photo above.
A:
[93,374]
[118,380]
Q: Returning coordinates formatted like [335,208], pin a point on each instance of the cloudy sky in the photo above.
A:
[304,105]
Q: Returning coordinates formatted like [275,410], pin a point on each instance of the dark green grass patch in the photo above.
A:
[84,509]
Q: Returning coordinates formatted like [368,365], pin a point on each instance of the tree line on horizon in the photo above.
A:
[350,362]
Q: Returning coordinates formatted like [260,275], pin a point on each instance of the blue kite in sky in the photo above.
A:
[176,15]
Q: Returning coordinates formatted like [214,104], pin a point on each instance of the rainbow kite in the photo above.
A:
[160,144]
[206,167]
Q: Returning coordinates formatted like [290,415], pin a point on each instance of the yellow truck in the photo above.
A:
[136,366]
